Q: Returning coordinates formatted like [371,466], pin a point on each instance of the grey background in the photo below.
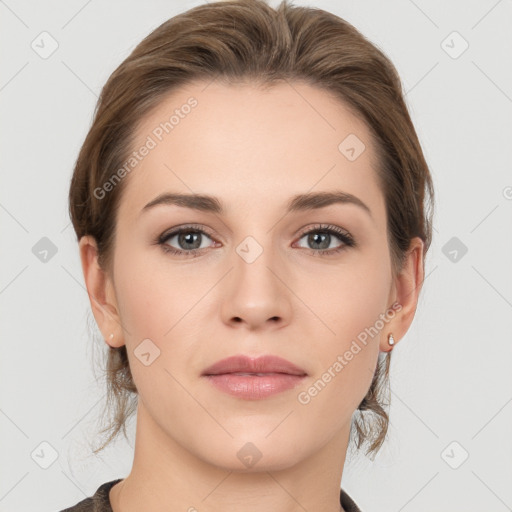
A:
[450,377]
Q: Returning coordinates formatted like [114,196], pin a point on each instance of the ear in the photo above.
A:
[405,292]
[101,293]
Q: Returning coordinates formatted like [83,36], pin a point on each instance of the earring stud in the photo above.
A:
[391,340]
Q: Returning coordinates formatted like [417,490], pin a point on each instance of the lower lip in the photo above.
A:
[254,387]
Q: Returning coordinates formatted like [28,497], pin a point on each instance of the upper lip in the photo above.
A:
[246,364]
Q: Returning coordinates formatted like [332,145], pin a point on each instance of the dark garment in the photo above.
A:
[100,502]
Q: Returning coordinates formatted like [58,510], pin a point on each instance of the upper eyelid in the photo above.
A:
[324,227]
[179,229]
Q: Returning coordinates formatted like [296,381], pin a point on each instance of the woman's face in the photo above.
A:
[250,280]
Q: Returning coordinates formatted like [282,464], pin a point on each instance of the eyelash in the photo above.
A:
[345,237]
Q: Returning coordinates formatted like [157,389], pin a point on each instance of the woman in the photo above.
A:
[251,205]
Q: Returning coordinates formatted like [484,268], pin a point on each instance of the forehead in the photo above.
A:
[248,144]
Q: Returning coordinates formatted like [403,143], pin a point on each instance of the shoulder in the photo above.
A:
[99,502]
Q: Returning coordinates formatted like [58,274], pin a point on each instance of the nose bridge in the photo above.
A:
[255,293]
[254,256]
[255,246]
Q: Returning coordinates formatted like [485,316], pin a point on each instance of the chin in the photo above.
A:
[256,454]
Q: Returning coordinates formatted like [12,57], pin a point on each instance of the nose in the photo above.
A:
[256,295]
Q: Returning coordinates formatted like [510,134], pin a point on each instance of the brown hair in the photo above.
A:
[249,40]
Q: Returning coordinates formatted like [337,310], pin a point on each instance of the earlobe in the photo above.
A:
[407,288]
[101,293]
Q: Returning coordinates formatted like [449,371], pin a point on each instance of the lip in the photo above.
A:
[276,375]
[262,364]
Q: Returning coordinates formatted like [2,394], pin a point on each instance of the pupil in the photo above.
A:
[184,237]
[325,235]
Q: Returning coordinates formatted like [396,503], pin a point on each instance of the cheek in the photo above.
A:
[153,307]
[351,303]
[347,300]
[145,300]
[160,301]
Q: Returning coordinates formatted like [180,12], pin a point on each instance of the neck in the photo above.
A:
[165,476]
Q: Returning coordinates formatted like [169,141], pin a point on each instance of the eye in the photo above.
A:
[188,238]
[322,236]
[191,240]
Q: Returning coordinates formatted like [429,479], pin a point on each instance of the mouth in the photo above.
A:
[247,365]
[254,378]
[254,374]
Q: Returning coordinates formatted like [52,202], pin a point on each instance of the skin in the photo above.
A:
[253,149]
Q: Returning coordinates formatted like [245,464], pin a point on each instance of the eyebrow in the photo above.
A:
[301,202]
